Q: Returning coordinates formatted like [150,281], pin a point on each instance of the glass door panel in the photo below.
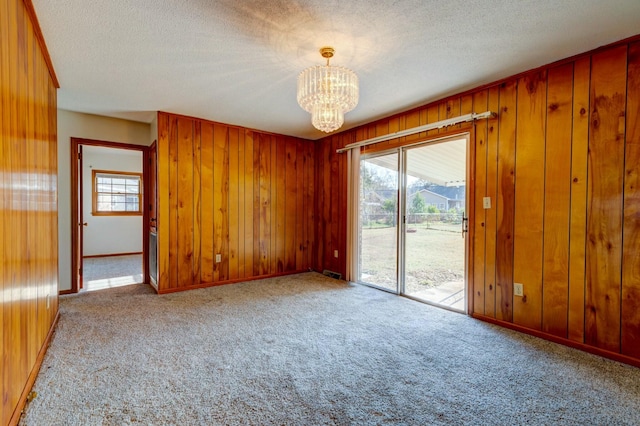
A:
[435,202]
[378,231]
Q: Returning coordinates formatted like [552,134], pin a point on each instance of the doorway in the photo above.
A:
[109,208]
[413,226]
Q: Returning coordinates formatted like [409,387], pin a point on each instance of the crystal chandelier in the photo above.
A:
[327,92]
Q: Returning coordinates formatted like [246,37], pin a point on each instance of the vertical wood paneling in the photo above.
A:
[491,214]
[241,204]
[605,189]
[300,185]
[234,216]
[342,224]
[280,205]
[505,201]
[258,174]
[5,283]
[432,117]
[222,149]
[479,237]
[412,119]
[234,192]
[206,233]
[290,212]
[312,241]
[557,201]
[276,221]
[336,170]
[578,220]
[630,315]
[220,133]
[28,209]
[185,206]
[196,273]
[249,205]
[265,204]
[529,199]
[164,192]
[173,203]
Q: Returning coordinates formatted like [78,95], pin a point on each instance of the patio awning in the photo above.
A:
[439,163]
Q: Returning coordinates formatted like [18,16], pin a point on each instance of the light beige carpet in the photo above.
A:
[100,273]
[309,350]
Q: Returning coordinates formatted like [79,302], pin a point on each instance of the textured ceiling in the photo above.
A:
[237,61]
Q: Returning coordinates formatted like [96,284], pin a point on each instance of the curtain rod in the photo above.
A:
[437,125]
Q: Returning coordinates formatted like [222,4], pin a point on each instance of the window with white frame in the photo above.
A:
[116,193]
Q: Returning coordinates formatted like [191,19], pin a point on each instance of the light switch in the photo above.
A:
[486,202]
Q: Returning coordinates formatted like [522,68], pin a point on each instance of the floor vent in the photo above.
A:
[332,274]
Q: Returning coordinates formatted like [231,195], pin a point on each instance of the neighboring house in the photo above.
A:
[443,198]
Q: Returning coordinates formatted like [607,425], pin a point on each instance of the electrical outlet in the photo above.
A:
[486,202]
[218,258]
[518,289]
[335,254]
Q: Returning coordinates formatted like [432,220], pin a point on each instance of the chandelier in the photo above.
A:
[327,92]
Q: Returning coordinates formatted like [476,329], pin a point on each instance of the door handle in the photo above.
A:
[83,224]
[465,225]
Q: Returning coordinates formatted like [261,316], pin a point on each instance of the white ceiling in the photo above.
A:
[236,61]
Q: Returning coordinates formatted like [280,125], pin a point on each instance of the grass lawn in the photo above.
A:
[435,255]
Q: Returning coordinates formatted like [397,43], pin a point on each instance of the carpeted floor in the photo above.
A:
[306,349]
[111,271]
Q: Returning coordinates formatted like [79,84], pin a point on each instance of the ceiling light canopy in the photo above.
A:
[327,92]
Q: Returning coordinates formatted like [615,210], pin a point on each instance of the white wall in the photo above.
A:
[73,124]
[109,234]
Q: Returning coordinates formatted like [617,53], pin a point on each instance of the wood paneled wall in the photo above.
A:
[245,195]
[561,163]
[28,211]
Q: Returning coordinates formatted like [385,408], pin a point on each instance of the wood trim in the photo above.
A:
[74,219]
[75,142]
[94,193]
[111,255]
[562,341]
[146,223]
[43,45]
[17,413]
[233,281]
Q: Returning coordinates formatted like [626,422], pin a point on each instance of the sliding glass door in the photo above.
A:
[412,232]
[378,236]
[435,204]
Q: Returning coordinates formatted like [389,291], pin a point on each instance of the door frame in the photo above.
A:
[76,207]
[466,219]
[469,134]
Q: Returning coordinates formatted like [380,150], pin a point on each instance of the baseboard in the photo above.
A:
[234,281]
[17,413]
[111,255]
[562,341]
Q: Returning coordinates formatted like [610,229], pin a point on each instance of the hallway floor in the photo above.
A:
[111,271]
